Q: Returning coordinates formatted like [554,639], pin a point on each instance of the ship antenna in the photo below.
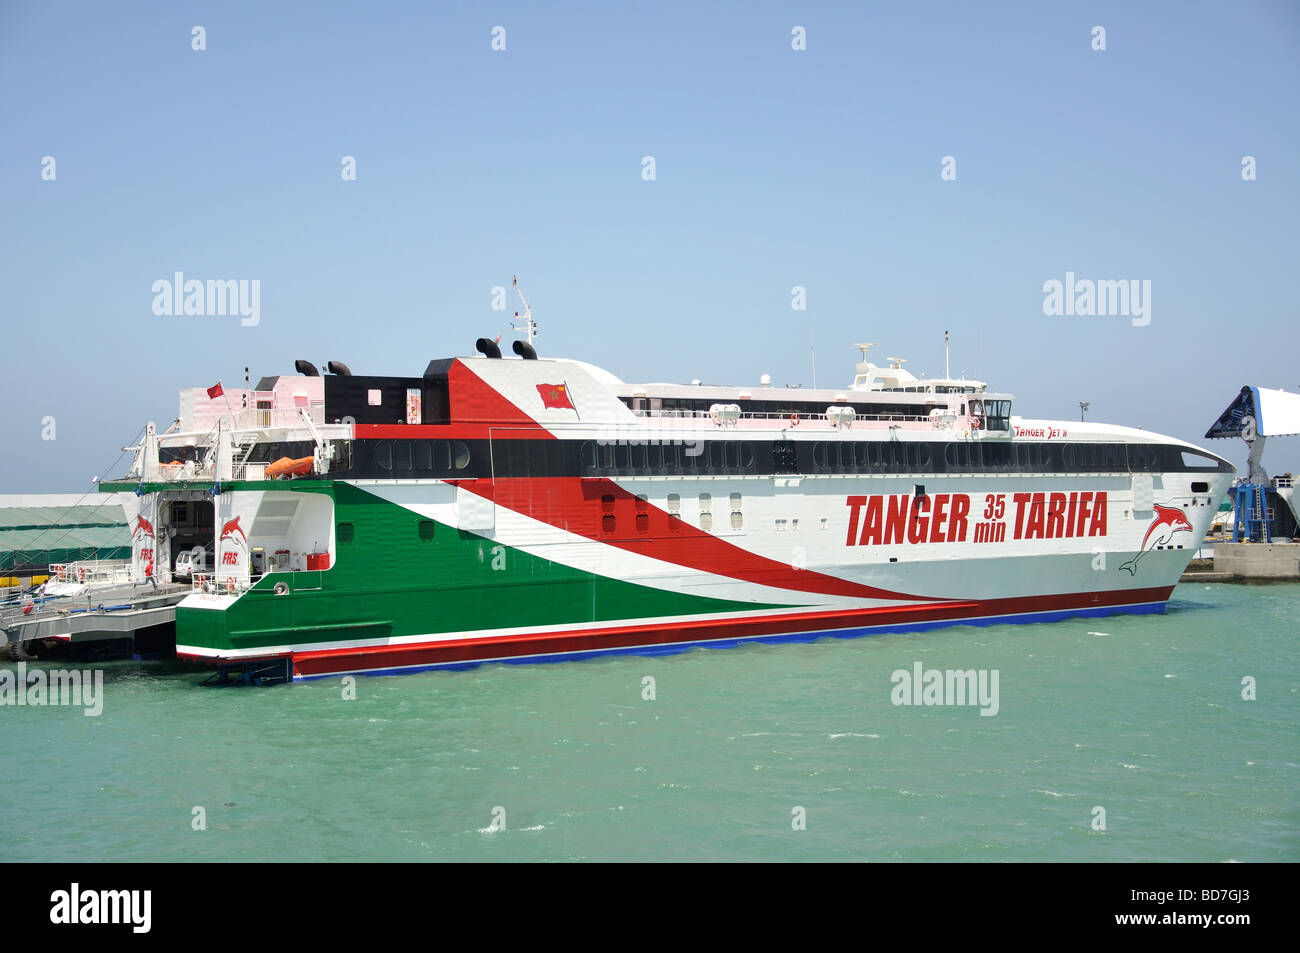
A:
[946,374]
[865,348]
[529,325]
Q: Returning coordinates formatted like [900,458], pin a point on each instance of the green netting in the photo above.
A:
[34,537]
[27,517]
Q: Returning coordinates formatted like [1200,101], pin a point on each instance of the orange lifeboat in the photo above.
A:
[288,467]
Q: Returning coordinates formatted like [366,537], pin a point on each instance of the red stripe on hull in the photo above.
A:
[475,401]
[332,661]
[604,512]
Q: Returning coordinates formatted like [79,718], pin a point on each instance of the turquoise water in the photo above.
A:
[1139,715]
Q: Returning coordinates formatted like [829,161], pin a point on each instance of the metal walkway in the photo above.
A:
[106,614]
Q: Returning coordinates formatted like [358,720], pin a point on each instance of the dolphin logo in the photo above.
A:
[1169,520]
[230,529]
[142,524]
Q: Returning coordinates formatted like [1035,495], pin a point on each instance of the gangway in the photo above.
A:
[106,622]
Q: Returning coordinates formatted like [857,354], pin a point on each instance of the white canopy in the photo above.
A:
[1279,413]
[1276,413]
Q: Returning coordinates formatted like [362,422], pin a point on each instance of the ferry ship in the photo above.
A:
[524,508]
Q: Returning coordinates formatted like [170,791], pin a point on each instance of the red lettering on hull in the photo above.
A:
[896,522]
[944,518]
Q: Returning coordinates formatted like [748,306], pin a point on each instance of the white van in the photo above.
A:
[192,561]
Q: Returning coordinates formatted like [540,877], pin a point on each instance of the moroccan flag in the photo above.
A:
[555,395]
[215,391]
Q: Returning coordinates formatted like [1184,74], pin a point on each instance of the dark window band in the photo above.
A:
[464,459]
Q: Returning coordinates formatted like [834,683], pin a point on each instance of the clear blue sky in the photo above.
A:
[775,168]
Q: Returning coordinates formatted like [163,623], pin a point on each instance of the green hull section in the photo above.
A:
[393,580]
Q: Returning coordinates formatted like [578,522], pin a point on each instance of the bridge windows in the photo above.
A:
[1198,461]
[997,415]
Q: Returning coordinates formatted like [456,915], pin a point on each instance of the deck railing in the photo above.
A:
[815,421]
[93,572]
[770,415]
[221,584]
[191,472]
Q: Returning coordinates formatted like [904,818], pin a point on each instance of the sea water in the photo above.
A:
[1130,738]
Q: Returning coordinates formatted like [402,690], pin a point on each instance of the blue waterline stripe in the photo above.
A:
[677,648]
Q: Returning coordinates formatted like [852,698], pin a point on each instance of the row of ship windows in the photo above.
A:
[706,509]
[347,532]
[735,456]
[406,456]
[741,457]
[920,457]
[425,528]
[865,456]
[733,507]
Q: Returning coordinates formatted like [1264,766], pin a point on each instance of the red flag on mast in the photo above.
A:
[555,395]
[215,391]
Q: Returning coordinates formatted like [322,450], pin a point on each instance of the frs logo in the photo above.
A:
[230,529]
[144,532]
[1168,521]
